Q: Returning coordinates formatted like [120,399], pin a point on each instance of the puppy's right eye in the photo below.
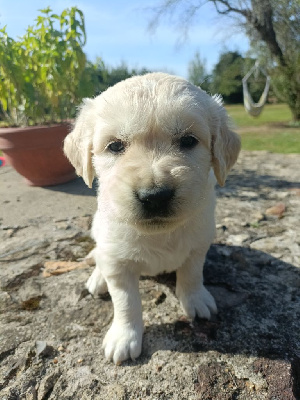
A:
[188,142]
[116,147]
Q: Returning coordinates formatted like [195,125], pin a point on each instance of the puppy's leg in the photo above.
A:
[195,299]
[96,284]
[124,338]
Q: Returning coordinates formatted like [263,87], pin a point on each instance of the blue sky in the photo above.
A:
[117,31]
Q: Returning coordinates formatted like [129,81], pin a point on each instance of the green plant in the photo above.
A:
[40,72]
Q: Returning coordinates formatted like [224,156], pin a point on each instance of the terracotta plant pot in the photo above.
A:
[37,153]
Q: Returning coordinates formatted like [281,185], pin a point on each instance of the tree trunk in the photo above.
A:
[292,91]
[295,110]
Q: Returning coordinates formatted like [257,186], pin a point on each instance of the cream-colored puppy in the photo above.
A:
[157,144]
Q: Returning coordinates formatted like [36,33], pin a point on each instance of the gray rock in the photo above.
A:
[43,349]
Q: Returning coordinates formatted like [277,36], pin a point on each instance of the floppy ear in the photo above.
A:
[78,145]
[225,145]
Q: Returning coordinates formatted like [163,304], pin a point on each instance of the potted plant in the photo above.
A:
[40,75]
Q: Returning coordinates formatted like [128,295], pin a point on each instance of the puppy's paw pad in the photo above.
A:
[122,342]
[199,303]
[96,283]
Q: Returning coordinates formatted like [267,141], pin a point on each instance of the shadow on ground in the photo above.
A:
[76,186]
[251,180]
[258,299]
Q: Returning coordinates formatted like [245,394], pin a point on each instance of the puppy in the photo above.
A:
[157,145]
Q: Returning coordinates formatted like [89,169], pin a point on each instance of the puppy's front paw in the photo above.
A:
[123,342]
[96,283]
[199,303]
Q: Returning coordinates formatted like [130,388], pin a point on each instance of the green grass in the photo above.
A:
[271,114]
[280,142]
[271,131]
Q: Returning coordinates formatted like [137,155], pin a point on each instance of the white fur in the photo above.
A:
[150,114]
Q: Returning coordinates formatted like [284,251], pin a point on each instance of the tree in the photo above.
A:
[98,76]
[108,76]
[227,77]
[197,73]
[275,24]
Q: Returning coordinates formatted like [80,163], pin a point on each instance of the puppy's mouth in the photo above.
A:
[157,224]
[157,221]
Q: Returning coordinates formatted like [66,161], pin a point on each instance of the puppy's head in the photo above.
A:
[151,140]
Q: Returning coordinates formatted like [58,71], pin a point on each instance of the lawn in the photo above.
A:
[270,131]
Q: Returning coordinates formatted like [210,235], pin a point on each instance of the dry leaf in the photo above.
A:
[277,210]
[61,267]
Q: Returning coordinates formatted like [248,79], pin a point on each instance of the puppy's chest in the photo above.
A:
[163,256]
[151,254]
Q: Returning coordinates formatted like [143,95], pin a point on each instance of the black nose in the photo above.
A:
[156,201]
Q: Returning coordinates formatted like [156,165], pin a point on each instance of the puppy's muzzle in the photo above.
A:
[156,202]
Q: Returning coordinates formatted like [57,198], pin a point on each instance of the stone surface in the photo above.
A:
[51,329]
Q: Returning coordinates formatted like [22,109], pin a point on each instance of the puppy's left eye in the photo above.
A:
[116,147]
[187,142]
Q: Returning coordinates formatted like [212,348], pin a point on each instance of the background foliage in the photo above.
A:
[226,77]
[45,74]
[273,27]
[40,72]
